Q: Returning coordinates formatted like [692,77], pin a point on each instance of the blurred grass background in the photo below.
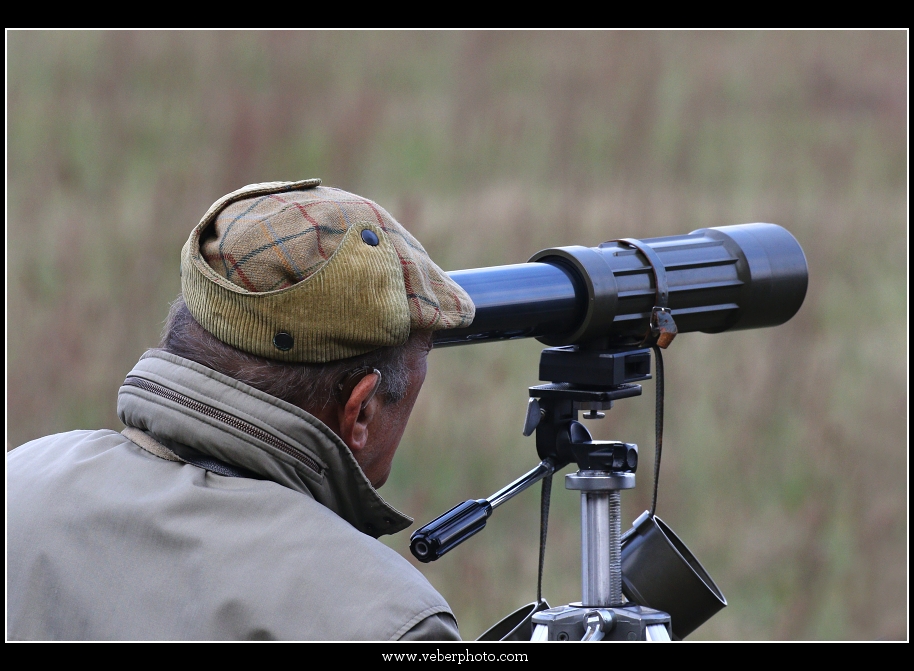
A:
[785,461]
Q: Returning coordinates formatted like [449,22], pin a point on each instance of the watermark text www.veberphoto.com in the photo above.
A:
[459,657]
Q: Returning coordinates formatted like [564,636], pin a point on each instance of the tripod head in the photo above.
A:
[552,413]
[588,380]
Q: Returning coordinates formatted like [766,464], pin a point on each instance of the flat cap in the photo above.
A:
[297,272]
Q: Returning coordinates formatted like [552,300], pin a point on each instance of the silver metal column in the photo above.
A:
[601,535]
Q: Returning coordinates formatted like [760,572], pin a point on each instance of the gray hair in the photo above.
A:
[308,386]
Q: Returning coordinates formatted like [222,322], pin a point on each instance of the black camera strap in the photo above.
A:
[658,423]
[545,497]
[659,336]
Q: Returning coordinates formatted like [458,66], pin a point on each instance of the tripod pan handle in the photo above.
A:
[449,530]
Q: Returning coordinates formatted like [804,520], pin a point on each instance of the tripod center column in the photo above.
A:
[601,565]
[601,535]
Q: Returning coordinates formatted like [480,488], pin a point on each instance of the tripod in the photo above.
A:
[583,380]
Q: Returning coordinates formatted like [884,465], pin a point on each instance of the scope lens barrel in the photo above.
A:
[719,279]
[519,301]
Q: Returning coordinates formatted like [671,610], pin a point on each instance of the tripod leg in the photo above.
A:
[657,632]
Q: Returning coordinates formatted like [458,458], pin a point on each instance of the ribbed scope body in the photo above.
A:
[718,279]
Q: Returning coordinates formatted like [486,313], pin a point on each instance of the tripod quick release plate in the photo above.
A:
[595,368]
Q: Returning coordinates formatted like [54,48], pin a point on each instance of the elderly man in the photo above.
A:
[240,500]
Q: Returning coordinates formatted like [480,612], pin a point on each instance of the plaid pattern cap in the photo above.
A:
[303,273]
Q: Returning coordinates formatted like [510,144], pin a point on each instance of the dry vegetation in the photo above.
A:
[786,462]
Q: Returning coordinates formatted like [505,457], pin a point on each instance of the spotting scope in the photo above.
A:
[717,279]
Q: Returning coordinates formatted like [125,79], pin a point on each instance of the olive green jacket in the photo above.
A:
[116,536]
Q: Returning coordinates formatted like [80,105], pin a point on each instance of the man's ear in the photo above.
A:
[358,411]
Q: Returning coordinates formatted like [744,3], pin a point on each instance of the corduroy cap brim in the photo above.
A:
[297,272]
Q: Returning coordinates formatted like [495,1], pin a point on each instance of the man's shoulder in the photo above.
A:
[340,569]
[255,558]
[61,446]
[68,437]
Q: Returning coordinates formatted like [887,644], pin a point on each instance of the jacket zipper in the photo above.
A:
[231,420]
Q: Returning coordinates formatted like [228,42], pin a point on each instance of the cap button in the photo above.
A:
[369,237]
[283,341]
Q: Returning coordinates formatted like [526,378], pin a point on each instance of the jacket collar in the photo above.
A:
[182,401]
